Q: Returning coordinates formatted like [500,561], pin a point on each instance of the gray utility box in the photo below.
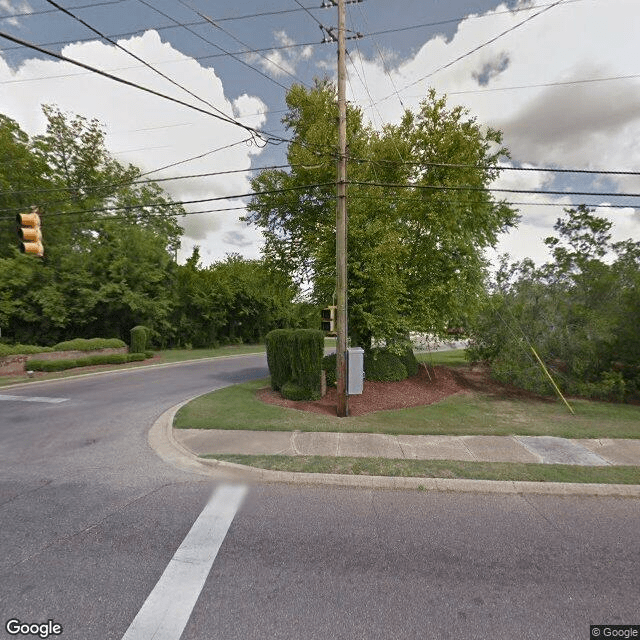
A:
[355,370]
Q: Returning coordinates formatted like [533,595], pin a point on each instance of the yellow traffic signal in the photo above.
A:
[30,234]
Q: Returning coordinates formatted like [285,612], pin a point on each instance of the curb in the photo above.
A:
[162,441]
[105,372]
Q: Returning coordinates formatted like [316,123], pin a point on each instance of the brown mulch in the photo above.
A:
[429,386]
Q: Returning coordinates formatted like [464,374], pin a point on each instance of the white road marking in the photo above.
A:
[166,611]
[33,399]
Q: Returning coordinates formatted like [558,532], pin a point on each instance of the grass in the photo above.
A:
[450,358]
[237,407]
[439,468]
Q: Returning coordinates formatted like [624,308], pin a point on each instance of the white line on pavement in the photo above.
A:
[166,611]
[33,399]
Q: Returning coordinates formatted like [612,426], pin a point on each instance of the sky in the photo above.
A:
[560,79]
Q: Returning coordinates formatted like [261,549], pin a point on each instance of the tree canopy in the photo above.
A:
[579,311]
[110,241]
[420,214]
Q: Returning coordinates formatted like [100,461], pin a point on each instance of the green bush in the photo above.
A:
[408,359]
[292,391]
[22,349]
[90,344]
[307,348]
[383,366]
[136,357]
[329,365]
[149,354]
[139,339]
[50,365]
[277,343]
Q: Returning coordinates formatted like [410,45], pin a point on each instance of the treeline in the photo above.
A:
[110,241]
[579,312]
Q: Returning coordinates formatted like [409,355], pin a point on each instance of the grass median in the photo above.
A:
[438,468]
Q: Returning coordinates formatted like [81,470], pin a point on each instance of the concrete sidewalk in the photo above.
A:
[532,449]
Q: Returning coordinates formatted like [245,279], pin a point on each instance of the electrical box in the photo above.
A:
[355,371]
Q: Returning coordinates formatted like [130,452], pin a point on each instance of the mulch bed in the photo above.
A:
[430,385]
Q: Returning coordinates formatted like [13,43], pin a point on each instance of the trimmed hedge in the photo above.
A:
[139,338]
[89,344]
[329,364]
[383,366]
[277,343]
[89,361]
[22,349]
[295,359]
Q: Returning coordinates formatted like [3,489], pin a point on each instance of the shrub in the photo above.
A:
[307,348]
[91,344]
[149,354]
[292,391]
[329,365]
[277,343]
[383,366]
[408,359]
[139,339]
[51,365]
[136,357]
[22,349]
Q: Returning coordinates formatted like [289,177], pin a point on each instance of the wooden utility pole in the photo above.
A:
[341,222]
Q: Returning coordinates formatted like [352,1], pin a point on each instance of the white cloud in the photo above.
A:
[585,125]
[149,131]
[9,8]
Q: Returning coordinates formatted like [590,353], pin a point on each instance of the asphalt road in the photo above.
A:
[91,518]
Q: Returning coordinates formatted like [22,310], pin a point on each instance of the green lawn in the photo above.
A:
[451,358]
[439,468]
[237,407]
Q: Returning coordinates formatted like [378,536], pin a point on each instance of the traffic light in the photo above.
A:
[329,319]
[30,234]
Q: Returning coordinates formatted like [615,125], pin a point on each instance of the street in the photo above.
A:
[91,518]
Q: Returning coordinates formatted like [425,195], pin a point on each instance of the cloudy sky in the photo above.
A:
[560,79]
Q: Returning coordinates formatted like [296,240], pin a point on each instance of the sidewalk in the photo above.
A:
[532,449]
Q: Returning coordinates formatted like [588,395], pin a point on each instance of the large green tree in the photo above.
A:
[109,240]
[420,214]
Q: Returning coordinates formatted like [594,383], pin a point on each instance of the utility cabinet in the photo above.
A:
[355,370]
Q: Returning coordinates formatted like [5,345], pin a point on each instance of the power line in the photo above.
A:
[501,167]
[244,44]
[138,58]
[475,49]
[30,45]
[134,207]
[150,182]
[82,6]
[195,33]
[493,189]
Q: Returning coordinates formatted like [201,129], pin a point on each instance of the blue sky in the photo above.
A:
[561,79]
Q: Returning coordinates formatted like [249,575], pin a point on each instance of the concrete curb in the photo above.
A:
[163,442]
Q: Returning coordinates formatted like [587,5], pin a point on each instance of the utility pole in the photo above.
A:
[341,222]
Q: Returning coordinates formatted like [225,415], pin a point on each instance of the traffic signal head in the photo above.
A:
[30,234]
[329,319]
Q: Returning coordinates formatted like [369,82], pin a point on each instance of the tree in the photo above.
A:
[579,311]
[109,240]
[415,245]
